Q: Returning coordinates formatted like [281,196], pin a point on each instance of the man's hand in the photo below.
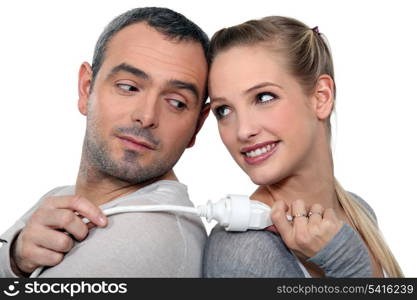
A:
[42,241]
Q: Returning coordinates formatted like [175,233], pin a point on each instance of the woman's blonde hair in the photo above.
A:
[307,58]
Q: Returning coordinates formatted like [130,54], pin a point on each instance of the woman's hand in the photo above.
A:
[309,230]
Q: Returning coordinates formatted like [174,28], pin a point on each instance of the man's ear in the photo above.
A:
[203,116]
[323,97]
[84,86]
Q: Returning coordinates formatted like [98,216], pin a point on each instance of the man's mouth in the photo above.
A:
[136,144]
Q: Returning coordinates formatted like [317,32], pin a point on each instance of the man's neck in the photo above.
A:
[101,188]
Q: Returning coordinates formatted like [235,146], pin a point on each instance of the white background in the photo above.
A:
[43,43]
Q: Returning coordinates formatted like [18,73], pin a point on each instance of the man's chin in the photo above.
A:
[137,175]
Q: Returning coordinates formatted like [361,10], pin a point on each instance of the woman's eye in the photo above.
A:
[177,104]
[265,97]
[221,111]
[127,87]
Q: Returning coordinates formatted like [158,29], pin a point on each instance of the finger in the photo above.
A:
[86,221]
[315,214]
[29,258]
[299,213]
[331,220]
[84,207]
[279,218]
[329,214]
[65,219]
[46,257]
[272,228]
[90,225]
[53,240]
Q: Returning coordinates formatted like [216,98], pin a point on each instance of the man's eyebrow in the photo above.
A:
[185,85]
[261,85]
[130,69]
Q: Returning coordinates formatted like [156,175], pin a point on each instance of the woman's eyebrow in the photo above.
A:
[261,85]
[255,87]
[217,99]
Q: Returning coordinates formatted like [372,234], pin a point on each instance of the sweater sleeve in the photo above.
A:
[264,254]
[248,254]
[365,205]
[344,256]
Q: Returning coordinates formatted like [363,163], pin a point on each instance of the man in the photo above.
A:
[144,99]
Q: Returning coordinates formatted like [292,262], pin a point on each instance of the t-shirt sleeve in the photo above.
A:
[11,234]
[148,244]
[8,237]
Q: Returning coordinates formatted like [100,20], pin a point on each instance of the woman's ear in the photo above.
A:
[323,97]
[84,86]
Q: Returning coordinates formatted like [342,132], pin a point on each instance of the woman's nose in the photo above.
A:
[248,127]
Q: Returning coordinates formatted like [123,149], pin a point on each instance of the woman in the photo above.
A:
[272,91]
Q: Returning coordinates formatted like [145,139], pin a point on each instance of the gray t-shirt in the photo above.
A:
[264,254]
[147,244]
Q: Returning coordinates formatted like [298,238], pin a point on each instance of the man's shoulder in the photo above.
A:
[62,190]
[166,225]
[160,192]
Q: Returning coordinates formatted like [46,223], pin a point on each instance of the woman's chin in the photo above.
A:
[264,179]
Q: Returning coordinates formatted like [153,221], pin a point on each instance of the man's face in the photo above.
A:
[144,107]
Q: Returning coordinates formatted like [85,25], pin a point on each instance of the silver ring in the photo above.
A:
[310,213]
[299,215]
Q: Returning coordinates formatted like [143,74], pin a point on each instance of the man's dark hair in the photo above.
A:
[168,22]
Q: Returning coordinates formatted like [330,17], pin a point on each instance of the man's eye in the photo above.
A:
[127,87]
[265,97]
[177,104]
[221,111]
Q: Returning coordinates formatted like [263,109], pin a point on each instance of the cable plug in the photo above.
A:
[237,213]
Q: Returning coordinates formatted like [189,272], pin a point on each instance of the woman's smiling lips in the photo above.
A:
[260,152]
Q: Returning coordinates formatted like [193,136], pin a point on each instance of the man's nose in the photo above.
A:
[146,112]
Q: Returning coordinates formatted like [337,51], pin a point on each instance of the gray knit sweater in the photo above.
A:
[264,254]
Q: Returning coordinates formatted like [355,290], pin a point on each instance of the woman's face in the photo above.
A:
[265,119]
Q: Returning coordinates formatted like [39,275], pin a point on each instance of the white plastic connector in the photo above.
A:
[237,213]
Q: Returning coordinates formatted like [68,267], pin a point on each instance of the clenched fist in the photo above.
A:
[47,235]
[309,231]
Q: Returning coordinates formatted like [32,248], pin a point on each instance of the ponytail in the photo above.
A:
[365,224]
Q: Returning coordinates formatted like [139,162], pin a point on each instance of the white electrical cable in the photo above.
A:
[234,212]
[147,208]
